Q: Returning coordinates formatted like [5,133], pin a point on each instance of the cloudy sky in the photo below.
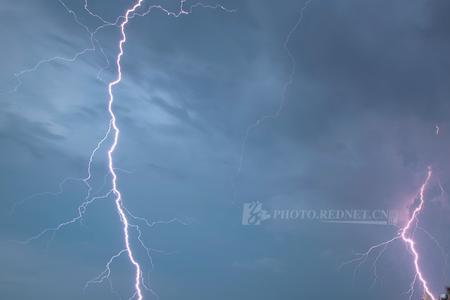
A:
[295,105]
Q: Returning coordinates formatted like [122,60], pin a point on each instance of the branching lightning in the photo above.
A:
[94,46]
[126,218]
[408,239]
[406,235]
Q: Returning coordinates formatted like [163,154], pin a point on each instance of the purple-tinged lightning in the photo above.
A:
[406,235]
[408,239]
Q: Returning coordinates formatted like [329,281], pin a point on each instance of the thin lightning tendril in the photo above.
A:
[444,254]
[94,46]
[284,90]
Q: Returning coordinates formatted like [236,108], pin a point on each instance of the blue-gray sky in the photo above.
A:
[357,131]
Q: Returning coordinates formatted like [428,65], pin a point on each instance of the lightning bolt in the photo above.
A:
[406,235]
[408,239]
[116,132]
[126,217]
